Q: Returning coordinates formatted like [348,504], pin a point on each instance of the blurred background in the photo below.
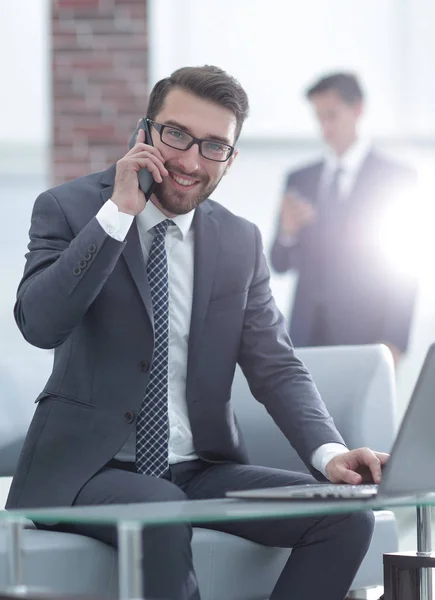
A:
[75,79]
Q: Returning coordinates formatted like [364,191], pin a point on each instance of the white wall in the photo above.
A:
[24,138]
[25,95]
[276,48]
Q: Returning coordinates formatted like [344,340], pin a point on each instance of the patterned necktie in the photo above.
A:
[152,430]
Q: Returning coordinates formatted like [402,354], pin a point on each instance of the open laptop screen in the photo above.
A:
[411,468]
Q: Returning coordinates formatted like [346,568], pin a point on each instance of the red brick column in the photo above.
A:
[99,82]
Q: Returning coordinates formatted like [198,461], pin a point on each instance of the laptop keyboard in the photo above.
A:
[341,491]
[313,491]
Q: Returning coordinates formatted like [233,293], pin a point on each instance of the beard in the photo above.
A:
[178,202]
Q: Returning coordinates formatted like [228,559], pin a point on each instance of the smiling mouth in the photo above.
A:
[185,182]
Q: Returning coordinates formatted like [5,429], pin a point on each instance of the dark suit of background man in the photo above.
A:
[149,307]
[329,231]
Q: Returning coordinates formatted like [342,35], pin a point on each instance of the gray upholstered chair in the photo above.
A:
[357,384]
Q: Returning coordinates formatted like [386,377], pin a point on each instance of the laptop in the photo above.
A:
[410,469]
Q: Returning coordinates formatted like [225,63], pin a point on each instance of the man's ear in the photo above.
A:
[231,160]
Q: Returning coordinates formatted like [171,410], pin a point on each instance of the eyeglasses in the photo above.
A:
[181,140]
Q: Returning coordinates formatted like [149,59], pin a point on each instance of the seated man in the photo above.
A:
[150,306]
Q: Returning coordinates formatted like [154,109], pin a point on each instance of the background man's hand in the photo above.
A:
[295,213]
[357,466]
[127,195]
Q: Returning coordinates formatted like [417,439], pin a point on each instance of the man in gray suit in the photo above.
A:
[149,307]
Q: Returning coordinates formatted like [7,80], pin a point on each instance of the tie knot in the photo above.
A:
[161,228]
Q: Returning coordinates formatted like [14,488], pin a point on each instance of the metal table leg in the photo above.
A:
[130,560]
[15,557]
[424,547]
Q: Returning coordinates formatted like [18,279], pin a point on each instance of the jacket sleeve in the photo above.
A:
[63,273]
[283,257]
[277,378]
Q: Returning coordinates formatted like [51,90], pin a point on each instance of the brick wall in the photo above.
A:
[99,82]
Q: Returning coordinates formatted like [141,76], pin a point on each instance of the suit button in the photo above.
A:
[83,264]
[144,365]
[77,271]
[129,416]
[87,256]
[92,248]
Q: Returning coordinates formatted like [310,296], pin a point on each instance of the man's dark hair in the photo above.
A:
[345,84]
[208,82]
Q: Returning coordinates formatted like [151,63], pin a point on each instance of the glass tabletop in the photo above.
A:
[209,511]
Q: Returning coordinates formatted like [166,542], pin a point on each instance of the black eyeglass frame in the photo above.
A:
[160,127]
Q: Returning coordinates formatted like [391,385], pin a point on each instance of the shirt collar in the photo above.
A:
[352,160]
[151,216]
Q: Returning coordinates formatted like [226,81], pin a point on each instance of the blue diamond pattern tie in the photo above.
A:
[152,430]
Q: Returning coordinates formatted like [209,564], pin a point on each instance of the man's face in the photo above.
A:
[338,120]
[192,178]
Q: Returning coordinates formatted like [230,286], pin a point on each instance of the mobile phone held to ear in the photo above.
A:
[146,180]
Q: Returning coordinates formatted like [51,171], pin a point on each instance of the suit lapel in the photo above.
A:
[205,258]
[133,256]
[132,252]
[314,180]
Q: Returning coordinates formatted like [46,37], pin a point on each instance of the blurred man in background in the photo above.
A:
[329,231]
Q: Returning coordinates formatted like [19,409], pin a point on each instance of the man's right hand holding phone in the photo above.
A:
[127,195]
[296,213]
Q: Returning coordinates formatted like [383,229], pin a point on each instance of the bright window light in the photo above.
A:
[406,233]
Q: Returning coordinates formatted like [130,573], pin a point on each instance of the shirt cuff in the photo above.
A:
[115,223]
[321,457]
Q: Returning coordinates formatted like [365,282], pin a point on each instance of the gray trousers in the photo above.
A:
[327,551]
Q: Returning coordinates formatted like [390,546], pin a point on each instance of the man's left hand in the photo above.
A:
[357,466]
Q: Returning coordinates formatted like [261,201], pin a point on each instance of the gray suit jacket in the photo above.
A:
[86,295]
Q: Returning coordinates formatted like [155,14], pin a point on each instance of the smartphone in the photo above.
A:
[146,180]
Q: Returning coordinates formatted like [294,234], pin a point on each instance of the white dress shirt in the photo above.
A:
[179,244]
[180,252]
[350,164]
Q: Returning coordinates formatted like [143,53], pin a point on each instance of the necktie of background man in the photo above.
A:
[329,229]
[330,211]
